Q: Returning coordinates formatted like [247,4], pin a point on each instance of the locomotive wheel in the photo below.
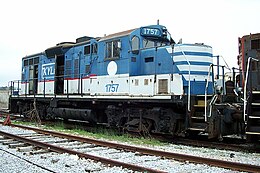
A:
[145,127]
[192,133]
[252,138]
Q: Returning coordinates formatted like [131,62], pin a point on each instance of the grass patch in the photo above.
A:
[26,123]
[97,133]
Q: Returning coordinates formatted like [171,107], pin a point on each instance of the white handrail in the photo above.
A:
[226,64]
[213,101]
[206,91]
[245,85]
[189,78]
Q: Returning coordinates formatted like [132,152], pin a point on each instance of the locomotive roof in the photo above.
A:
[86,42]
[252,36]
[33,55]
[61,47]
[118,34]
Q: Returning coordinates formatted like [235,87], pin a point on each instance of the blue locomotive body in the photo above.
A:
[116,63]
[128,79]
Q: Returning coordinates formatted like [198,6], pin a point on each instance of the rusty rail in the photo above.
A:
[181,157]
[58,149]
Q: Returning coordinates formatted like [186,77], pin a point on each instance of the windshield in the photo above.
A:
[150,43]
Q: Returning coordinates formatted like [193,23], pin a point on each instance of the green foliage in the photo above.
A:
[99,132]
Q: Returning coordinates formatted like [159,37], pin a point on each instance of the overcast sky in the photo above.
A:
[31,26]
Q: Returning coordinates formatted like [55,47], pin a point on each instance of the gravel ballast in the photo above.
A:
[70,163]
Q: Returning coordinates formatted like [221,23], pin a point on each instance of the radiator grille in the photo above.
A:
[163,86]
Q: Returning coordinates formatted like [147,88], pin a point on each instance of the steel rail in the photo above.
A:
[181,157]
[59,149]
[28,161]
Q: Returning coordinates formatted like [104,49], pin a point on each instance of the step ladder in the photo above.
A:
[252,118]
[197,121]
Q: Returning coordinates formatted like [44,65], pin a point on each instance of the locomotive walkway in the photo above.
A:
[143,151]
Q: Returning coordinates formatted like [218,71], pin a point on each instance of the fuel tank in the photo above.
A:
[75,114]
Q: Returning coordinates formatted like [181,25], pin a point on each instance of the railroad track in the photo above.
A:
[236,145]
[54,144]
[226,144]
[119,148]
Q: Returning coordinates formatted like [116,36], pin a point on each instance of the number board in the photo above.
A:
[150,32]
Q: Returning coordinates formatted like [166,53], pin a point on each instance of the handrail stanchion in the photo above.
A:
[206,91]
[223,80]
[12,88]
[55,85]
[234,76]
[67,88]
[34,87]
[81,85]
[25,88]
[217,66]
[44,80]
[18,88]
[189,89]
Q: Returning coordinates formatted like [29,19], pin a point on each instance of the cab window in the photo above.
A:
[135,43]
[148,43]
[113,49]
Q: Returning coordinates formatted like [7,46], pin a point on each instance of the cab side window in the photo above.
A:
[135,43]
[113,49]
[87,50]
[91,49]
[94,48]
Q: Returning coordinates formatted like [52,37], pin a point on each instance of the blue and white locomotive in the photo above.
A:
[138,79]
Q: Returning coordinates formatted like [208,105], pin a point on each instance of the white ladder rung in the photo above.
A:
[253,133]
[254,117]
[197,129]
[255,104]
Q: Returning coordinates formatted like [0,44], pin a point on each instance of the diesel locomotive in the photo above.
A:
[139,80]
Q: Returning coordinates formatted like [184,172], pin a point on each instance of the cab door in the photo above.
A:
[33,75]
[31,79]
[89,60]
[149,57]
[134,56]
[59,75]
[141,73]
